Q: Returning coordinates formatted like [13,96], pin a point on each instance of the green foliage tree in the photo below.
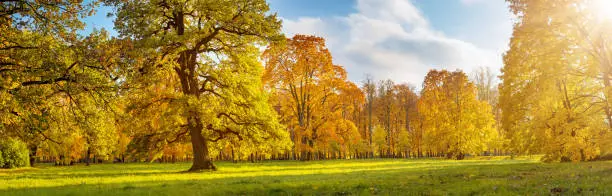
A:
[208,48]
[13,153]
[46,65]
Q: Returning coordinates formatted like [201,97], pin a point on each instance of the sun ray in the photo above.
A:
[602,9]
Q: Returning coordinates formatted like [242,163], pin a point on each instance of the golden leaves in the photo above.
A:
[301,71]
[454,120]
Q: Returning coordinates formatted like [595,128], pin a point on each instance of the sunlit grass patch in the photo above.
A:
[339,177]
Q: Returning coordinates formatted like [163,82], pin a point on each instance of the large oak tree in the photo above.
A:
[210,46]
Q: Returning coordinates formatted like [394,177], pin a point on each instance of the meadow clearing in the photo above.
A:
[500,175]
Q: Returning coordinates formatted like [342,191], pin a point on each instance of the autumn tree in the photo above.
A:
[211,48]
[385,107]
[406,113]
[392,107]
[369,89]
[554,96]
[417,144]
[47,67]
[486,85]
[487,88]
[352,99]
[380,138]
[404,143]
[301,70]
[455,122]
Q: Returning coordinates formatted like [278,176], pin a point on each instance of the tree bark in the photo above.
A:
[32,154]
[186,72]
[190,86]
[201,157]
[87,157]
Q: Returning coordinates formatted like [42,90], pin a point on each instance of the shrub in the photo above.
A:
[13,153]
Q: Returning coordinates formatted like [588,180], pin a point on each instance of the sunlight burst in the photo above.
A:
[602,9]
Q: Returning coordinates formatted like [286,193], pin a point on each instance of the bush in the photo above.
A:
[13,153]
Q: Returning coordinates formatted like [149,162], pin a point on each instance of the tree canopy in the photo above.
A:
[206,52]
[555,92]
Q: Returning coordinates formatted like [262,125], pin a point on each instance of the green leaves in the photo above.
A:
[198,68]
[13,153]
[57,87]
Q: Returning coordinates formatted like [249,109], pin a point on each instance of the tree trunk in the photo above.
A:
[189,82]
[460,156]
[87,157]
[32,154]
[201,158]
[607,110]
[233,155]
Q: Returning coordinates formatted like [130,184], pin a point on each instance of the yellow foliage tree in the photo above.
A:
[455,123]
[555,96]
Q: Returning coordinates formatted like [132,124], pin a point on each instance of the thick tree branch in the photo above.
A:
[204,41]
[18,47]
[222,133]
[235,121]
[51,81]
[178,136]
[48,138]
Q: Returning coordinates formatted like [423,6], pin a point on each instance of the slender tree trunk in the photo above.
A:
[294,148]
[87,156]
[604,63]
[370,125]
[607,92]
[233,155]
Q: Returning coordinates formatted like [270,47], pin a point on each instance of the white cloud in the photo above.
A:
[305,26]
[469,2]
[392,39]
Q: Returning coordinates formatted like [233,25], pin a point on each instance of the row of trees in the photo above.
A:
[329,116]
[185,80]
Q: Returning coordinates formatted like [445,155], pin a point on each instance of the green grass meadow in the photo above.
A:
[339,177]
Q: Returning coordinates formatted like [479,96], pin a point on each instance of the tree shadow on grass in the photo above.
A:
[351,183]
[390,180]
[318,165]
[50,176]
[146,170]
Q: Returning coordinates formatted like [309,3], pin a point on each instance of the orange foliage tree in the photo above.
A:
[300,72]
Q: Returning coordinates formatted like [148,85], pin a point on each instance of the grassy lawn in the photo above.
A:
[340,177]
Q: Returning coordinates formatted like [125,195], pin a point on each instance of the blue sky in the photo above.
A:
[395,39]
